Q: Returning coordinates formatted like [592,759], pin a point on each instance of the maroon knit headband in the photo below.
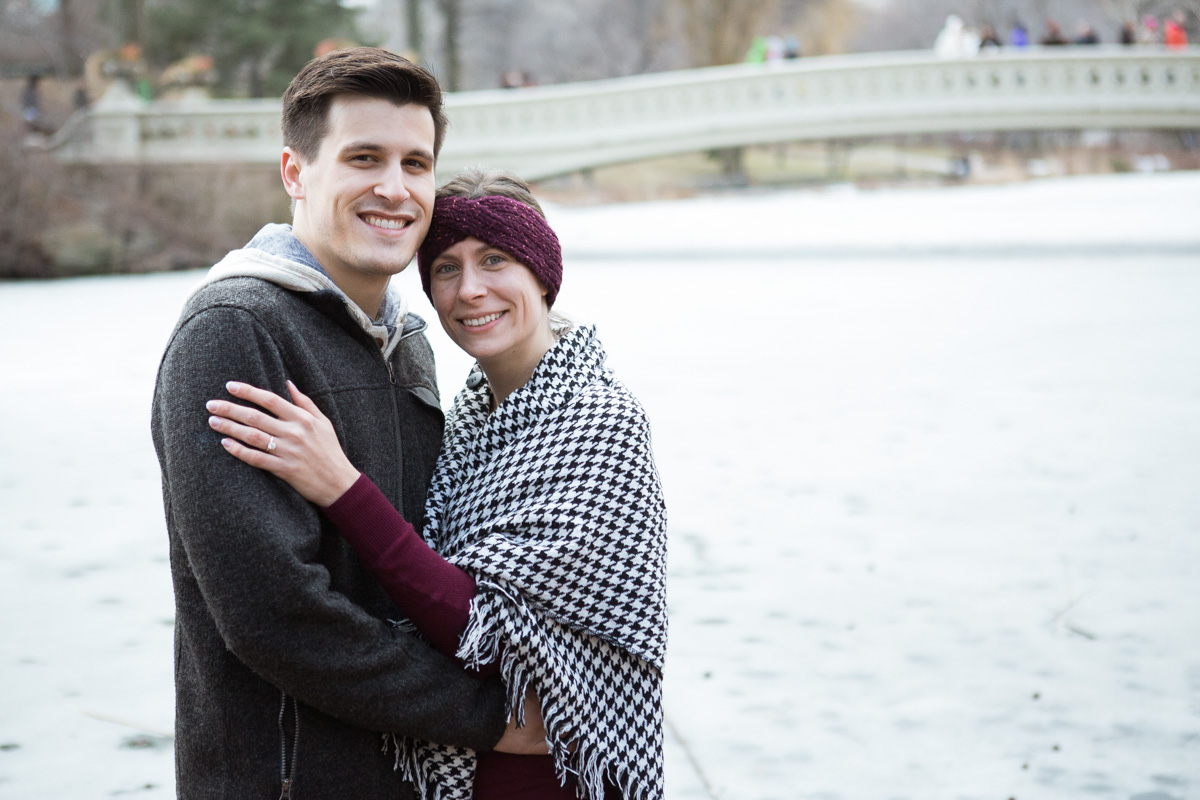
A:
[501,222]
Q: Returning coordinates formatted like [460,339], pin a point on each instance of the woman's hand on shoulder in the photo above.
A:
[294,441]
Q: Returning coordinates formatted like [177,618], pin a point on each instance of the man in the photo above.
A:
[286,667]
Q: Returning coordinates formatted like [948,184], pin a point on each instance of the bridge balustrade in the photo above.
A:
[544,131]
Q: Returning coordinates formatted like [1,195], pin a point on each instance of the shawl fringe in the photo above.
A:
[481,644]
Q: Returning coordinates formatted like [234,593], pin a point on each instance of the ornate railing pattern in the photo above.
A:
[550,130]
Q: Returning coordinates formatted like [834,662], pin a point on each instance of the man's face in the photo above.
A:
[364,203]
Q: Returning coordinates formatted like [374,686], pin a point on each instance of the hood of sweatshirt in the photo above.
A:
[277,256]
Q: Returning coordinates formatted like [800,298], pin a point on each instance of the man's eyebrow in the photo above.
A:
[361,145]
[368,146]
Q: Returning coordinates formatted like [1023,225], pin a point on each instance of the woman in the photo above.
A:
[545,514]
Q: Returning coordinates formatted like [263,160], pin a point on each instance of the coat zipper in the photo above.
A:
[287,777]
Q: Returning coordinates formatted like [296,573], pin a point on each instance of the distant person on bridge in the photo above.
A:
[757,52]
[79,97]
[543,551]
[1087,34]
[31,106]
[1018,35]
[1053,37]
[988,40]
[1148,32]
[287,669]
[1174,33]
[776,49]
[955,40]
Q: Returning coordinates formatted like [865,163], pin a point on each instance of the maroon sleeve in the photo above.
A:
[432,592]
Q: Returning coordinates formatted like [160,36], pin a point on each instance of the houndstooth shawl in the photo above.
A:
[553,504]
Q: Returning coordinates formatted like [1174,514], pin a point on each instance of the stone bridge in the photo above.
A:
[539,132]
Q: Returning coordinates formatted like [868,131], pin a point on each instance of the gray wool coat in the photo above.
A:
[285,663]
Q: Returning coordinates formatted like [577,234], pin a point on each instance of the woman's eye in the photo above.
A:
[492,260]
[444,268]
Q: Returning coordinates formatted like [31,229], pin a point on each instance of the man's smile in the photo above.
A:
[387,223]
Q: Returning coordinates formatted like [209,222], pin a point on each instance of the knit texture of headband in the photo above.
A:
[501,222]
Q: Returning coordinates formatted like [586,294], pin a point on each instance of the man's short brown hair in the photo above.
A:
[363,71]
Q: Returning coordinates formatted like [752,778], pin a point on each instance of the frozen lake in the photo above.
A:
[933,476]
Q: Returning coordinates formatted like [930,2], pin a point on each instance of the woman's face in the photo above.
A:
[491,305]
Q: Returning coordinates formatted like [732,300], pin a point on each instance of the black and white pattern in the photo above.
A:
[553,504]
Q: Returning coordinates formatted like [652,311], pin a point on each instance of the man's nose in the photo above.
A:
[392,186]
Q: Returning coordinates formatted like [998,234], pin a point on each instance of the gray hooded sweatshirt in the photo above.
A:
[286,667]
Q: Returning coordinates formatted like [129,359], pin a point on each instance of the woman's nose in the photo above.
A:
[471,285]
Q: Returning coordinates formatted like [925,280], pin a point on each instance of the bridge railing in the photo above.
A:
[123,129]
[543,131]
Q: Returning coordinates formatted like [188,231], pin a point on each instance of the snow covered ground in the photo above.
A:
[933,471]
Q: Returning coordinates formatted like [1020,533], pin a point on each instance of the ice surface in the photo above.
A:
[934,493]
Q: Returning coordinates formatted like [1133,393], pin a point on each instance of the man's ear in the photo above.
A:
[290,166]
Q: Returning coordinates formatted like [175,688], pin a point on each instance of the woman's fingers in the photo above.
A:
[252,456]
[251,435]
[304,401]
[280,410]
[261,397]
[250,417]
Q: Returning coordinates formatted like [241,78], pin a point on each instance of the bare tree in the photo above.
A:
[38,36]
[72,55]
[650,27]
[412,16]
[552,41]
[131,15]
[452,22]
[720,31]
[1132,10]
[824,27]
[1121,10]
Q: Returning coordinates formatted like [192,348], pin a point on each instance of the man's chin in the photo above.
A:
[386,262]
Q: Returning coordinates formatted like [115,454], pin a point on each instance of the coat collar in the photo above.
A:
[277,256]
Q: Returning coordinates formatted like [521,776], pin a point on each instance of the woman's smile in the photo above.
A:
[479,322]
